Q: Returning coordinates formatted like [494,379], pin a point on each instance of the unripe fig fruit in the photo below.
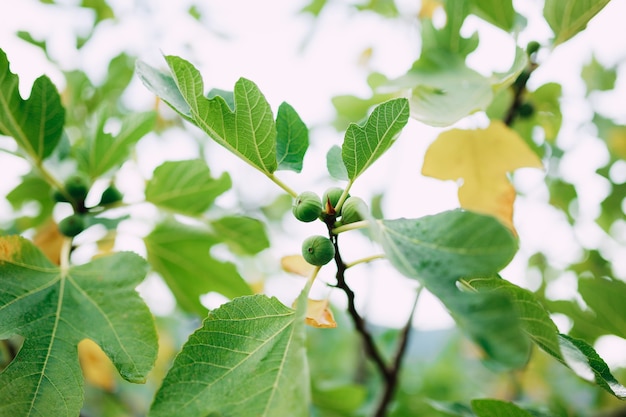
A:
[72,225]
[77,187]
[331,198]
[110,195]
[318,250]
[59,197]
[525,110]
[352,210]
[307,207]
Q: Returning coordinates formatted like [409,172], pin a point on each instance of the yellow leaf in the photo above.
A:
[617,141]
[296,265]
[97,367]
[428,8]
[318,314]
[49,240]
[481,158]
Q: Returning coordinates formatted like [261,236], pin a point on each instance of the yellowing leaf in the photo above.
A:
[318,314]
[296,265]
[49,240]
[428,8]
[97,367]
[481,158]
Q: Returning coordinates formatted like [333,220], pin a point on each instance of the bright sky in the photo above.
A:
[293,58]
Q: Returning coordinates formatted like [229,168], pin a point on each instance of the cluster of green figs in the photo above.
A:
[74,191]
[307,207]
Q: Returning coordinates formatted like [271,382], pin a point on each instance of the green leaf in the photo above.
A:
[334,163]
[249,131]
[444,90]
[247,359]
[36,124]
[505,79]
[547,114]
[606,298]
[242,234]
[363,145]
[597,77]
[185,186]
[497,12]
[54,309]
[448,39]
[386,8]
[164,86]
[292,140]
[573,353]
[32,188]
[102,151]
[568,17]
[441,249]
[497,408]
[181,255]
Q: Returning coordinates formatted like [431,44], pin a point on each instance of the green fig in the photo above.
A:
[525,110]
[72,225]
[77,187]
[59,197]
[110,195]
[331,198]
[318,250]
[353,209]
[307,207]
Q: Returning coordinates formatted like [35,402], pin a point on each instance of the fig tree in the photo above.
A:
[77,187]
[352,210]
[72,225]
[318,250]
[331,198]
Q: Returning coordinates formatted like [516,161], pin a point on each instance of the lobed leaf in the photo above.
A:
[334,164]
[242,234]
[36,123]
[185,186]
[363,145]
[441,249]
[497,12]
[568,17]
[292,139]
[164,86]
[247,359]
[54,309]
[181,255]
[249,131]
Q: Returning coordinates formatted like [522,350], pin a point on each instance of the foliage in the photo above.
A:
[63,279]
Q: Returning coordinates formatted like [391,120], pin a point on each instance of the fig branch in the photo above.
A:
[517,107]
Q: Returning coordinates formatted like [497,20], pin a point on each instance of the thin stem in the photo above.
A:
[365,260]
[311,279]
[282,185]
[392,378]
[351,226]
[518,93]
[344,197]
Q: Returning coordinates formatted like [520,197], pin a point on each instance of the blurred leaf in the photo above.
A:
[448,40]
[103,151]
[247,359]
[363,145]
[441,249]
[497,408]
[597,77]
[334,164]
[194,12]
[606,298]
[386,8]
[345,399]
[54,309]
[96,366]
[482,158]
[276,210]
[101,8]
[318,314]
[502,80]
[568,17]
[444,90]
[32,188]
[562,194]
[164,86]
[119,74]
[351,109]
[36,124]
[185,186]
[547,112]
[243,235]
[292,139]
[181,255]
[315,7]
[612,207]
[296,264]
[248,132]
[497,12]
[26,36]
[49,240]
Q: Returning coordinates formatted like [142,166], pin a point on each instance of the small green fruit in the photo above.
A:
[318,250]
[110,195]
[525,110]
[77,187]
[331,198]
[59,197]
[72,225]
[352,210]
[307,207]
